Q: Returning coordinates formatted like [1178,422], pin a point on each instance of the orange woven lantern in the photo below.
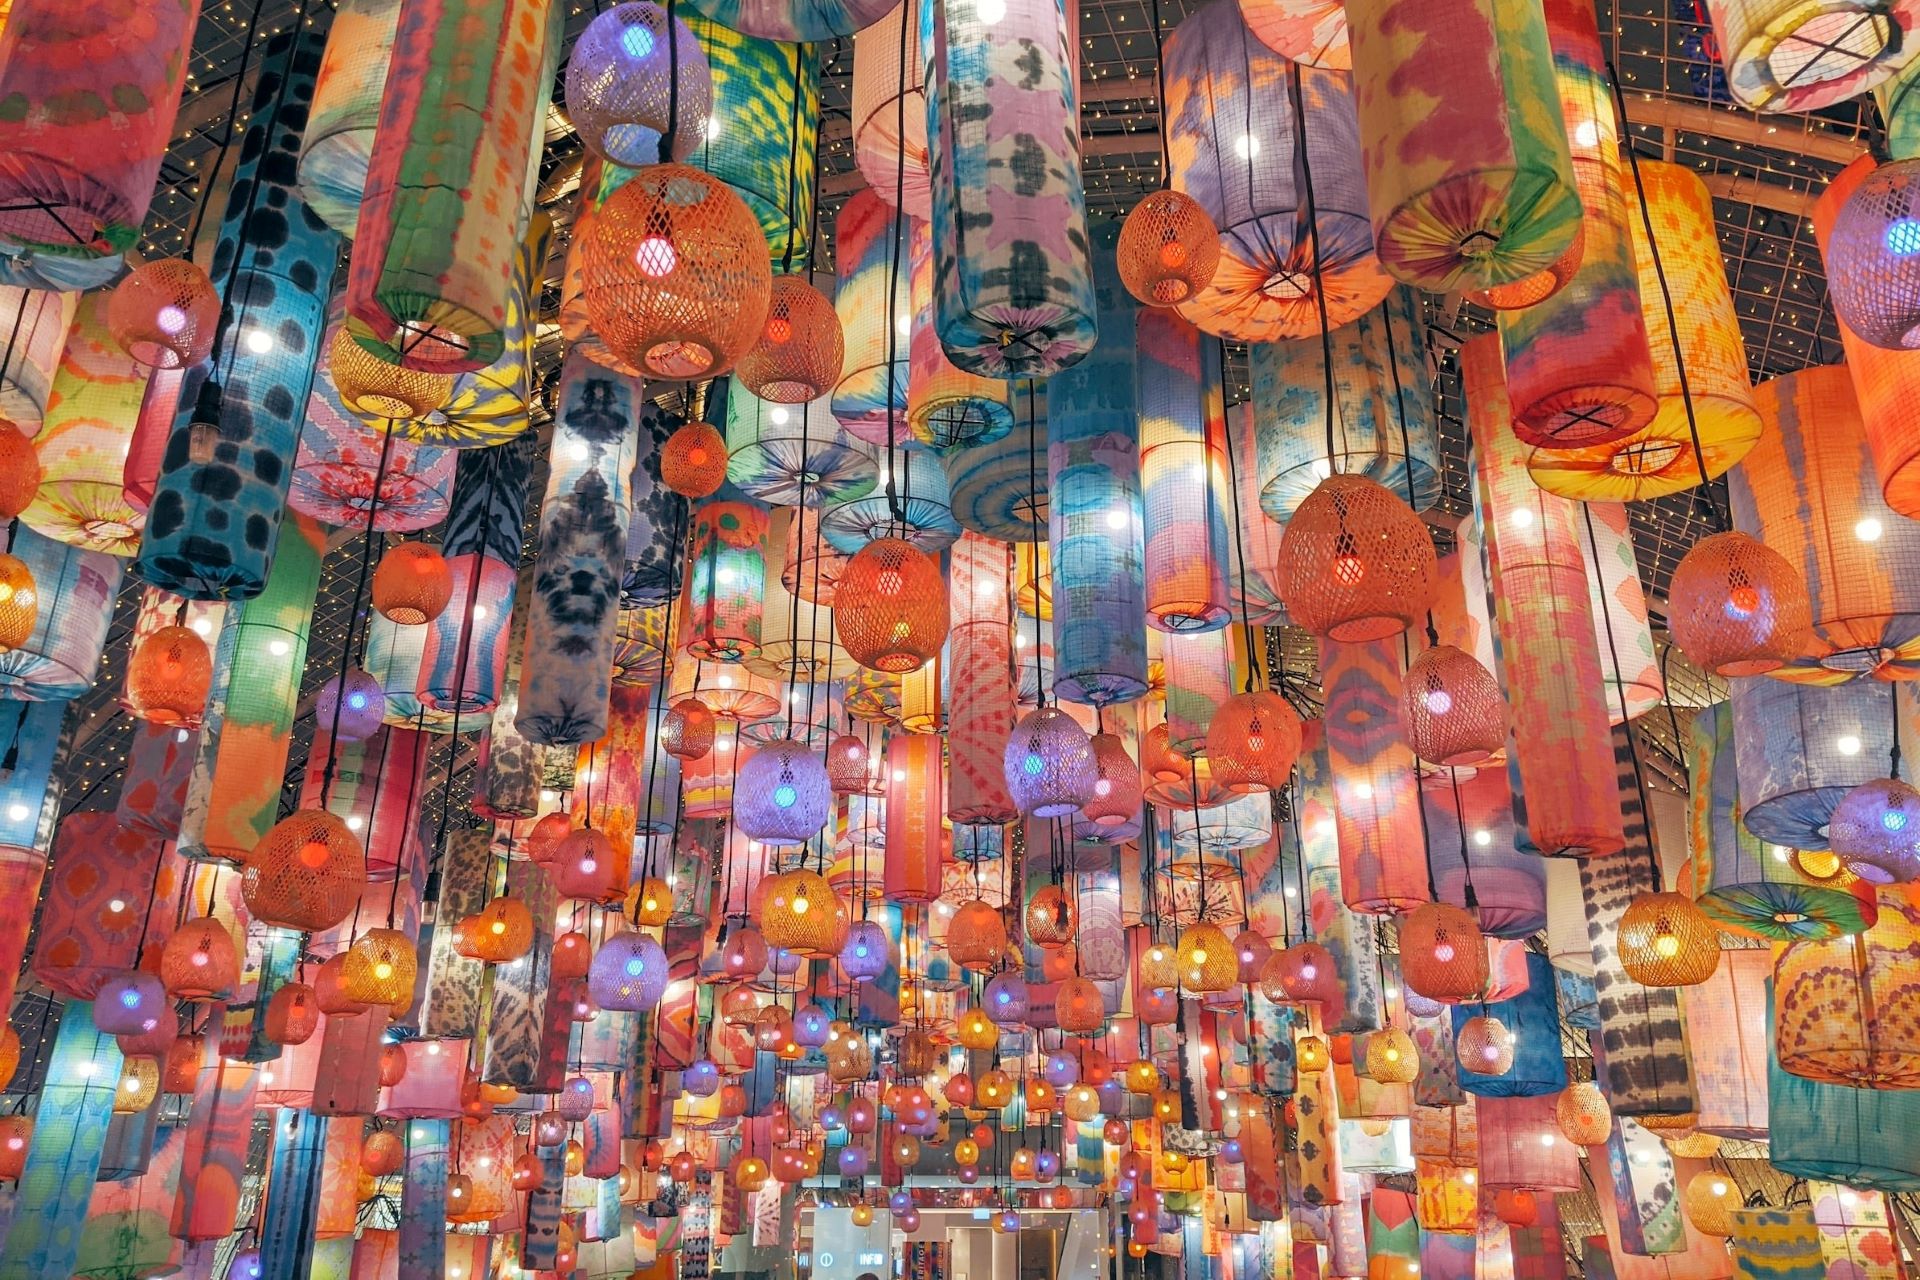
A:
[306,873]
[501,932]
[890,612]
[293,1015]
[1079,1008]
[693,461]
[546,836]
[1484,1046]
[169,677]
[1312,1053]
[382,1153]
[801,347]
[1392,1057]
[163,313]
[651,902]
[1141,1077]
[994,1089]
[412,584]
[1168,249]
[977,936]
[20,471]
[587,866]
[1709,1202]
[975,1030]
[1443,954]
[750,1173]
[199,962]
[1516,1206]
[675,276]
[1665,940]
[1114,811]
[1052,917]
[1355,562]
[335,1003]
[798,912]
[1253,742]
[1157,968]
[184,1061]
[374,388]
[139,1084]
[1303,973]
[1206,958]
[686,731]
[1737,607]
[1451,708]
[16,1134]
[19,602]
[572,955]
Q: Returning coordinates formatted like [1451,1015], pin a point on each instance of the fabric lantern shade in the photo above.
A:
[393,658]
[91,411]
[463,658]
[335,474]
[1717,400]
[796,636]
[346,110]
[1096,533]
[1382,865]
[1543,616]
[915,803]
[1221,89]
[1830,997]
[1309,31]
[58,612]
[1495,201]
[787,454]
[490,405]
[215,517]
[1781,58]
[947,407]
[766,96]
[1807,491]
[41,320]
[981,695]
[79,178]
[999,490]
[890,135]
[724,603]
[1728,1039]
[651,572]
[1623,635]
[1180,399]
[91,925]
[1832,1131]
[1013,286]
[1521,1145]
[925,509]
[376,789]
[1532,1021]
[1510,887]
[873,265]
[628,76]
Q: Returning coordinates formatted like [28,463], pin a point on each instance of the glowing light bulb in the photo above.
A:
[259,341]
[656,257]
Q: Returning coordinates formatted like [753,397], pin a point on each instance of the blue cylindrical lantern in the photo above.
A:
[651,574]
[76,590]
[1533,1020]
[1837,1133]
[464,663]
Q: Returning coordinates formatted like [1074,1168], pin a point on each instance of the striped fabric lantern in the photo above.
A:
[765,119]
[890,136]
[1780,57]
[723,608]
[216,511]
[334,476]
[76,588]
[1382,863]
[1510,886]
[1000,490]
[1384,426]
[464,657]
[1180,395]
[346,110]
[1808,491]
[981,696]
[784,454]
[1544,625]
[1799,749]
[796,635]
[1013,287]
[947,407]
[1578,363]
[1096,537]
[1223,89]
[431,276]
[778,20]
[91,411]
[78,176]
[873,268]
[1718,400]
[41,320]
[583,522]
[1727,1035]
[1468,172]
[1622,633]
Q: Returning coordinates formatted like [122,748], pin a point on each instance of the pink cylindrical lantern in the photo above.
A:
[1383,867]
[1180,396]
[432,1087]
[1728,1038]
[1521,1146]
[980,701]
[914,805]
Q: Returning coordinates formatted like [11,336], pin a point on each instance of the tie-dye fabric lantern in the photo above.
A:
[1727,1035]
[764,124]
[1234,139]
[1532,1022]
[923,516]
[463,660]
[92,409]
[1832,999]
[1180,396]
[346,110]
[1309,31]
[1382,864]
[786,454]
[39,320]
[724,606]
[1468,172]
[781,20]
[1000,490]
[216,510]
[873,266]
[981,701]
[1510,886]
[1809,491]
[947,407]
[492,404]
[630,77]
[889,134]
[78,174]
[1013,287]
[59,657]
[437,299]
[1781,56]
[1838,1132]
[1622,631]
[796,635]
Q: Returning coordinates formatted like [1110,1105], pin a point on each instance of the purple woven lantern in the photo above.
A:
[129,1004]
[1005,998]
[1873,257]
[1875,831]
[629,973]
[361,711]
[782,795]
[574,1102]
[628,75]
[1049,764]
[867,952]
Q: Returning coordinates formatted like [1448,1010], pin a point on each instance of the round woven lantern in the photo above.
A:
[19,602]
[199,962]
[380,968]
[867,951]
[1312,1053]
[1113,812]
[798,355]
[1873,254]
[1516,1206]
[373,388]
[976,936]
[586,866]
[1206,958]
[184,1060]
[164,313]
[412,584]
[850,768]
[139,1084]
[382,1152]
[20,471]
[1875,831]
[1392,1057]
[1355,562]
[693,462]
[1451,708]
[356,714]
[797,913]
[781,795]
[1168,249]
[994,1089]
[336,1003]
[1052,916]
[630,75]
[169,677]
[306,873]
[1443,954]
[651,902]
[546,836]
[1158,968]
[1665,940]
[1737,607]
[1693,1146]
[1251,951]
[1079,1008]
[629,973]
[1006,998]
[501,932]
[975,1030]
[129,1003]
[16,1135]
[1709,1202]
[1048,764]
[293,1015]
[675,276]
[1253,742]
[890,610]
[1484,1046]
[686,731]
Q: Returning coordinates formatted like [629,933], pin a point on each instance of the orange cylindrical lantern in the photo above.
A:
[915,802]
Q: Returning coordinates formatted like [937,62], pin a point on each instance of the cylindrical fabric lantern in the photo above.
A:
[91,411]
[1718,400]
[947,407]
[784,454]
[1383,414]
[583,537]
[764,122]
[463,659]
[1838,1132]
[334,476]
[777,20]
[378,786]
[1532,1020]
[999,490]
[1741,882]
[873,270]
[92,919]
[431,276]
[1544,618]
[76,589]
[1383,867]
[40,320]
[1521,1145]
[1799,748]
[346,110]
[1235,143]
[1096,537]
[926,509]
[889,135]
[1622,633]
[1578,363]
[216,511]
[656,530]
[1201,668]
[1781,57]
[980,698]
[506,768]
[1309,31]
[1468,172]
[1835,1001]
[723,607]
[1510,886]
[1728,1039]
[94,96]
[1809,491]
[1181,399]
[1013,287]
[915,803]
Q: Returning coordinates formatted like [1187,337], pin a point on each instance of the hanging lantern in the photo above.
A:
[199,962]
[782,795]
[1442,953]
[1470,822]
[1667,941]
[975,1030]
[693,462]
[687,730]
[800,913]
[412,584]
[379,968]
[163,313]
[1779,57]
[351,708]
[292,1014]
[1157,969]
[976,936]
[502,932]
[1451,708]
[1800,749]
[1250,955]
[1830,998]
[1312,1054]
[1875,831]
[1113,813]
[628,76]
[867,953]
[1709,1201]
[851,769]
[1583,1114]
[306,874]
[799,352]
[1392,1057]
[1736,607]
[1180,397]
[374,388]
[629,973]
[20,472]
[129,1004]
[586,865]
[1006,998]
[1049,764]
[1206,959]
[782,453]
[1168,250]
[19,603]
[1356,564]
[1079,1008]
[1052,916]
[872,260]
[1253,742]
[1484,1046]
[890,610]
[169,676]
[139,1084]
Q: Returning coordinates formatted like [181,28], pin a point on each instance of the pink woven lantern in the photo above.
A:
[798,355]
[1737,607]
[1451,708]
[164,313]
[1871,258]
[1356,563]
[1443,955]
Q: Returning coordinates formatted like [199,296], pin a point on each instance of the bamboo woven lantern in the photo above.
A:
[19,603]
[1168,249]
[20,471]
[501,932]
[169,677]
[1443,954]
[1583,1114]
[373,388]
[164,313]
[628,76]
[891,609]
[1875,831]
[798,355]
[307,873]
[1048,765]
[1253,742]
[1356,563]
[379,968]
[1484,1046]
[1737,607]
[1667,941]
[293,1015]
[1206,959]
[1392,1057]
[199,962]
[976,936]
[1709,1202]
[797,913]
[687,730]
[1451,708]
[16,1134]
[412,584]
[1052,917]
[693,462]
[139,1084]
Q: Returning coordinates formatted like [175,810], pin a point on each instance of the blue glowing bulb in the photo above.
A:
[784,795]
[1903,237]
[636,42]
[1032,765]
[357,701]
[130,998]
[1002,997]
[861,951]
[635,966]
[1894,819]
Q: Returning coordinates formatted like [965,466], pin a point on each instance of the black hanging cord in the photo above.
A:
[353,617]
[1313,239]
